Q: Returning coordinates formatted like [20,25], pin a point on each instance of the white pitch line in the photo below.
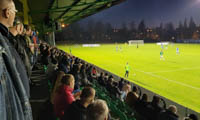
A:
[181,69]
[160,77]
[183,84]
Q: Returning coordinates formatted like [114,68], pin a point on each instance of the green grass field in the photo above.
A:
[176,78]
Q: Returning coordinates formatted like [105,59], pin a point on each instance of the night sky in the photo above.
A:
[152,11]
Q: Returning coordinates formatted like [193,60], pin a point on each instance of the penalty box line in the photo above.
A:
[157,76]
[182,69]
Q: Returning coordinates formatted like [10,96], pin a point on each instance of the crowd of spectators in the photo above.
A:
[72,93]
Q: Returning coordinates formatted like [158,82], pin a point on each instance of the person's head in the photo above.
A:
[135,89]
[7,12]
[144,98]
[156,100]
[87,95]
[126,88]
[98,110]
[131,99]
[172,108]
[68,80]
[16,29]
[193,117]
[20,28]
[28,30]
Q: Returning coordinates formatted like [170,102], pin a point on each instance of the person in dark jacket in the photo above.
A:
[77,110]
[6,20]
[169,114]
[14,84]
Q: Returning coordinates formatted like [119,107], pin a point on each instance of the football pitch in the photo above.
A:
[176,78]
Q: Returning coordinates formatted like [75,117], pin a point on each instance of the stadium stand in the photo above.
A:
[23,56]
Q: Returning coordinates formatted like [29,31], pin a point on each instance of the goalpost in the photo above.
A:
[135,42]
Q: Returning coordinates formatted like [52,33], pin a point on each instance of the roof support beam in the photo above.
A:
[25,11]
[73,4]
[80,12]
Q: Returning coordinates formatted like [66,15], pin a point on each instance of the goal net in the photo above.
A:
[135,42]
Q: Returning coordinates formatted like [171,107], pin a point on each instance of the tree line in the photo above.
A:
[98,32]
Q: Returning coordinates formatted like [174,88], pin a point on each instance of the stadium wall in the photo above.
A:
[182,111]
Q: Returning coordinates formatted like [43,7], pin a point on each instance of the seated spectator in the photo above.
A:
[109,85]
[77,110]
[153,109]
[191,117]
[64,65]
[131,99]
[125,90]
[64,97]
[115,90]
[76,73]
[98,110]
[121,83]
[155,103]
[169,114]
[101,78]
[57,85]
[141,104]
[94,72]
[83,76]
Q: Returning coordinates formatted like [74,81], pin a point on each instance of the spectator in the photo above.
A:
[83,76]
[125,90]
[131,99]
[7,17]
[141,105]
[100,79]
[94,73]
[77,110]
[76,73]
[191,117]
[153,109]
[16,82]
[169,114]
[121,83]
[64,97]
[115,90]
[57,85]
[64,65]
[109,85]
[98,110]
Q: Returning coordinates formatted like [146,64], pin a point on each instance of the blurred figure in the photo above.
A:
[77,110]
[64,97]
[169,114]
[98,110]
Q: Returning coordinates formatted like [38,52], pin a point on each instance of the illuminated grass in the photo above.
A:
[176,78]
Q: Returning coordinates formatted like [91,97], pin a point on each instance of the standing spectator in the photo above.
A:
[7,17]
[16,82]
[98,110]
[64,97]
[77,110]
